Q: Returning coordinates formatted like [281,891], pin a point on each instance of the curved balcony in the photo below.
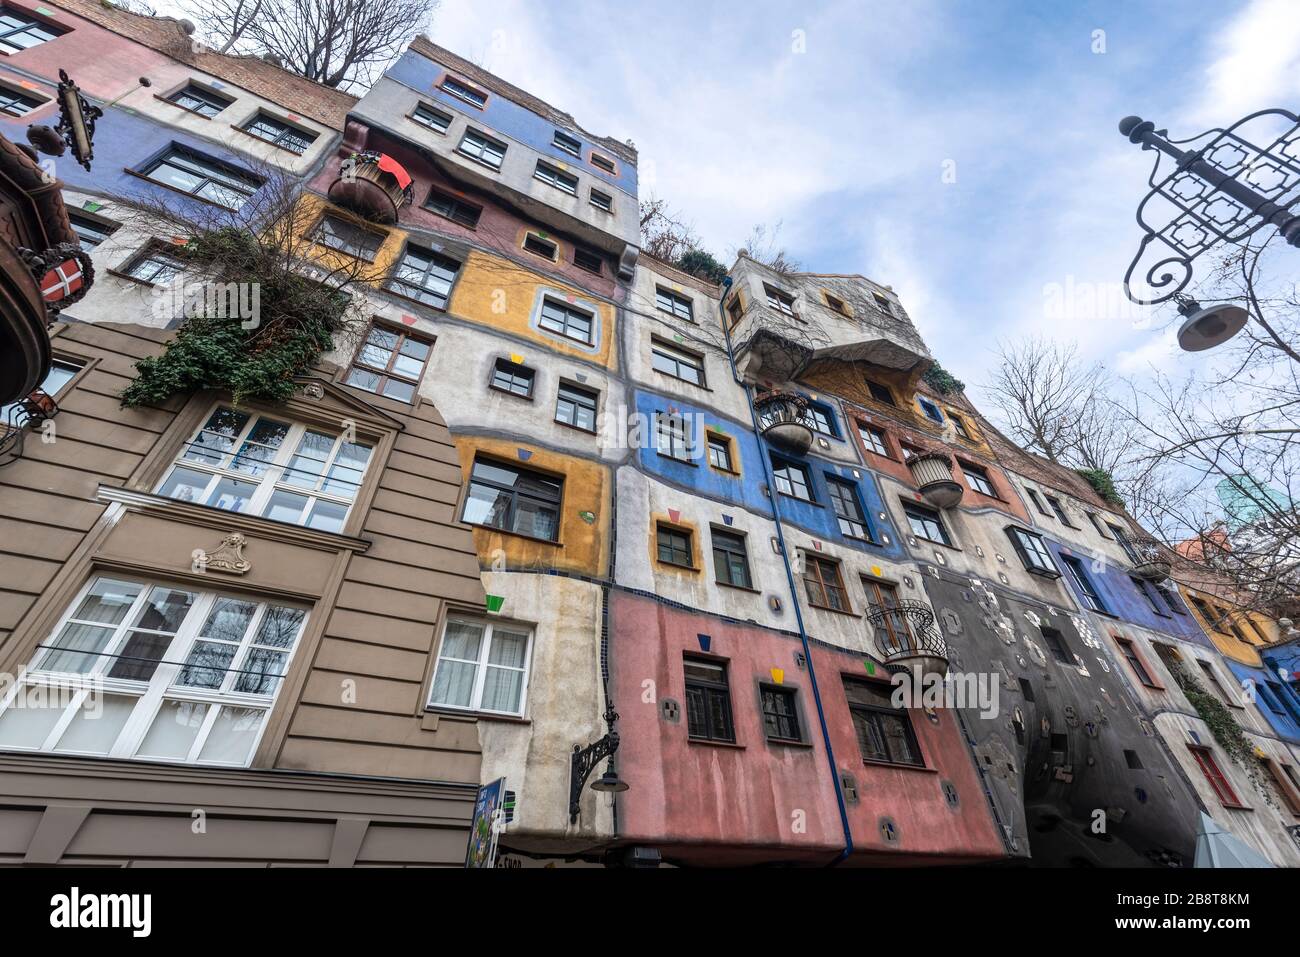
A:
[1150,563]
[908,640]
[783,421]
[932,473]
[372,185]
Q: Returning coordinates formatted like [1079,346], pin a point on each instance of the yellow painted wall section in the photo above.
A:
[583,546]
[503,295]
[1228,644]
[307,216]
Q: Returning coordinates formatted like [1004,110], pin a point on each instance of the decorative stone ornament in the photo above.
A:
[228,557]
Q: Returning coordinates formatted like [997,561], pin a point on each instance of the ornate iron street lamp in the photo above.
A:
[1222,189]
[585,759]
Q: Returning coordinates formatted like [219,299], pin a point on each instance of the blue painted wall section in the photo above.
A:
[1277,703]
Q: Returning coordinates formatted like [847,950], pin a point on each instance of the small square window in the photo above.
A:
[189,172]
[926,523]
[930,409]
[1038,502]
[514,499]
[822,581]
[576,406]
[453,208]
[708,701]
[1060,512]
[881,393]
[200,100]
[602,201]
[538,246]
[780,300]
[18,104]
[978,479]
[566,143]
[511,377]
[837,304]
[279,133]
[848,509]
[91,231]
[586,259]
[720,452]
[674,303]
[874,439]
[1084,584]
[959,426]
[1033,552]
[424,276]
[481,147]
[434,119]
[673,437]
[155,265]
[19,31]
[678,363]
[564,320]
[730,560]
[792,479]
[604,163]
[343,236]
[1054,640]
[390,362]
[673,546]
[883,304]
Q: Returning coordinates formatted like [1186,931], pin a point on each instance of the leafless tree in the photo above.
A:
[762,244]
[340,43]
[664,233]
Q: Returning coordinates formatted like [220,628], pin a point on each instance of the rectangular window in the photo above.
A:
[347,237]
[1170,597]
[730,559]
[978,479]
[90,231]
[874,439]
[1054,640]
[602,201]
[199,100]
[60,374]
[848,509]
[780,714]
[780,300]
[821,419]
[434,119]
[1286,788]
[1097,523]
[883,304]
[566,321]
[673,437]
[720,453]
[464,91]
[1222,789]
[735,311]
[882,599]
[881,393]
[1149,593]
[708,701]
[673,546]
[792,479]
[1125,543]
[1090,596]
[478,146]
[453,208]
[884,732]
[1038,502]
[281,134]
[553,176]
[576,406]
[511,377]
[586,259]
[390,362]
[424,276]
[538,246]
[1059,511]
[930,409]
[1211,619]
[260,465]
[1135,661]
[910,451]
[926,523]
[1033,552]
[567,143]
[17,104]
[482,666]
[155,265]
[200,176]
[19,31]
[678,363]
[825,587]
[514,499]
[836,303]
[959,426]
[187,676]
[603,163]
[1212,676]
[673,303]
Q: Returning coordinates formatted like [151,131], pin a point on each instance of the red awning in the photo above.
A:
[395,169]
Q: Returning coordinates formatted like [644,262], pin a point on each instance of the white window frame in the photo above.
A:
[489,627]
[272,478]
[151,693]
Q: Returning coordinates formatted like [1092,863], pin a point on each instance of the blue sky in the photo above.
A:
[846,143]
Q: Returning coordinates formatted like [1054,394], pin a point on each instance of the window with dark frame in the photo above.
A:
[454,208]
[424,276]
[1090,596]
[883,304]
[1059,511]
[959,425]
[18,31]
[16,103]
[566,321]
[836,304]
[538,246]
[874,439]
[1135,661]
[780,714]
[91,232]
[463,91]
[735,310]
[603,163]
[1209,673]
[433,118]
[279,133]
[882,599]
[1286,786]
[822,581]
[1055,641]
[60,374]
[198,100]
[586,259]
[730,559]
[1033,552]
[347,237]
[1210,768]
[1149,594]
[1125,543]
[885,733]
[566,143]
[673,546]
[720,452]
[977,477]
[390,362]
[780,300]
[674,303]
[881,393]
[821,418]
[155,265]
[926,523]
[1097,523]
[602,201]
[848,508]
[673,437]
[678,363]
[481,147]
[513,378]
[1038,502]
[514,499]
[187,172]
[1170,596]
[554,176]
[708,701]
[792,479]
[1214,621]
[576,406]
[930,409]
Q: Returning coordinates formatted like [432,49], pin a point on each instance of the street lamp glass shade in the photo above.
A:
[609,781]
[1211,326]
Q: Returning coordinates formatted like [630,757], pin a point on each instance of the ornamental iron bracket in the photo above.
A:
[1222,189]
[76,120]
[584,760]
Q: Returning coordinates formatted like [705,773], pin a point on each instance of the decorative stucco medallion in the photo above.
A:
[671,710]
[951,621]
[228,557]
[313,390]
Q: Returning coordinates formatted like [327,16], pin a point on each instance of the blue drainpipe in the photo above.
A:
[772,495]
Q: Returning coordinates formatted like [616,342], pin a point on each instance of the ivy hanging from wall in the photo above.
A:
[1103,484]
[940,379]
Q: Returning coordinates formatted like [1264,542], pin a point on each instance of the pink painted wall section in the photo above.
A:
[726,799]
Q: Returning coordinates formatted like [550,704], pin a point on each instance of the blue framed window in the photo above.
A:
[930,409]
[820,417]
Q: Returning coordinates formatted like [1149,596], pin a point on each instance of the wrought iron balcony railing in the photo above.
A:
[17,419]
[783,419]
[1150,563]
[907,638]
